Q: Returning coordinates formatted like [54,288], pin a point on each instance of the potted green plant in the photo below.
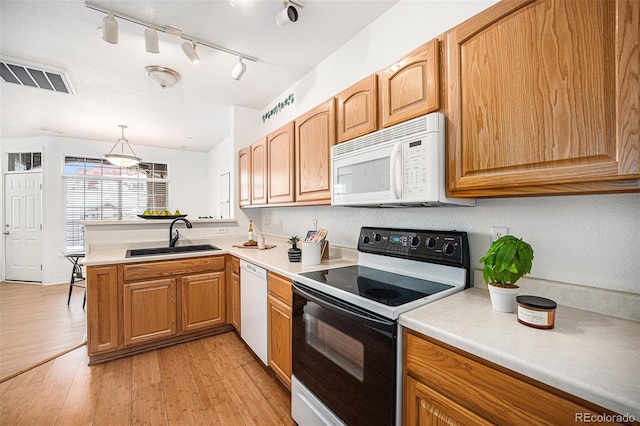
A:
[294,252]
[507,260]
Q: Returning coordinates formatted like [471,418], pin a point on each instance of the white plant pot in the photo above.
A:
[503,299]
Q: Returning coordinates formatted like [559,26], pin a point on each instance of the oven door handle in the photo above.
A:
[386,327]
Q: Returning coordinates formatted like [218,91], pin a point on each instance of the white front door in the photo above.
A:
[23,227]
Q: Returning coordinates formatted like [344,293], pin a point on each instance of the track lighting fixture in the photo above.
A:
[122,159]
[189,49]
[239,69]
[110,29]
[151,40]
[109,33]
[289,13]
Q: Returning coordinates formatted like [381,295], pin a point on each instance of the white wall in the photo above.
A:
[591,240]
[187,187]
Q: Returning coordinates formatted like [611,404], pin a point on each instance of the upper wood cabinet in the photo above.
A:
[315,135]
[259,172]
[244,177]
[357,109]
[544,97]
[280,165]
[411,87]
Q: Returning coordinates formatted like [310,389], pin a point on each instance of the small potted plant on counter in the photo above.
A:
[507,260]
[294,252]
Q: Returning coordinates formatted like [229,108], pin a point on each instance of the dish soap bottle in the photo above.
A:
[251,230]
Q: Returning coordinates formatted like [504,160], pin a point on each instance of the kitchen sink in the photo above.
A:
[169,250]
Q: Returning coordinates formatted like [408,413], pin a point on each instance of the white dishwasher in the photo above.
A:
[253,308]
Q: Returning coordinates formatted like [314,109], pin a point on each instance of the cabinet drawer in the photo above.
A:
[281,288]
[167,268]
[494,393]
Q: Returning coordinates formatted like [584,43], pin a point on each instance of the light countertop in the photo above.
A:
[274,259]
[593,356]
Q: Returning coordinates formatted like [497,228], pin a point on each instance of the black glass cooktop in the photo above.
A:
[380,286]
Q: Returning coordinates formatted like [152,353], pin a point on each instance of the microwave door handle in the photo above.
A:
[394,159]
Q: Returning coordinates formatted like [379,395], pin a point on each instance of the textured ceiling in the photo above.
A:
[110,83]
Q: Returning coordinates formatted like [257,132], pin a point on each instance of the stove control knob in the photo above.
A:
[430,242]
[448,249]
[365,239]
[377,237]
[415,242]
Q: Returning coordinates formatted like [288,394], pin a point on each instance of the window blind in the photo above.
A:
[97,190]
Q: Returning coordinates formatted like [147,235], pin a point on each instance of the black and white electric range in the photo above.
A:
[346,343]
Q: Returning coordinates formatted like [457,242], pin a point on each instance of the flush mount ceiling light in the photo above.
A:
[151,40]
[122,159]
[239,69]
[288,13]
[163,77]
[109,32]
[189,49]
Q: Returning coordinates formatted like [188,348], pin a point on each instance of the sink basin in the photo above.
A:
[169,250]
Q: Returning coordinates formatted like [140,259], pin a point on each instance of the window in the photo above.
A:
[94,189]
[23,161]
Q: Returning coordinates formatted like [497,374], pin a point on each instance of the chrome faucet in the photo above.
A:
[173,240]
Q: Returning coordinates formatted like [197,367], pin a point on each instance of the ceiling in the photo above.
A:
[109,80]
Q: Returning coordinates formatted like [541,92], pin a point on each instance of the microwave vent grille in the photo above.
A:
[416,126]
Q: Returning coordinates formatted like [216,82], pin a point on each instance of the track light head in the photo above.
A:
[189,49]
[287,15]
[239,69]
[151,40]
[110,29]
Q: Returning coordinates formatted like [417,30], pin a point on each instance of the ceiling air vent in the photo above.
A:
[32,76]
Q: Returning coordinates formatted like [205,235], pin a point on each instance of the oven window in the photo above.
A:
[342,349]
[345,363]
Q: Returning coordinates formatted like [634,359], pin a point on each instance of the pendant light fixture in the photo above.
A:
[122,159]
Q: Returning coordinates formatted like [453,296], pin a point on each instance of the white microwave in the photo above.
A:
[402,165]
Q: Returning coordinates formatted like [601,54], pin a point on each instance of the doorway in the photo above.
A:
[23,226]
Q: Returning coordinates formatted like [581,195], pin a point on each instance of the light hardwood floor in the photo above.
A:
[36,324]
[211,381]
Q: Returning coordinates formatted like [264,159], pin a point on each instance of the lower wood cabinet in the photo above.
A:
[138,306]
[102,309]
[279,314]
[446,386]
[233,302]
[149,310]
[203,301]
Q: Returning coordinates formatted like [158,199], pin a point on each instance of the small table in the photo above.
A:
[76,275]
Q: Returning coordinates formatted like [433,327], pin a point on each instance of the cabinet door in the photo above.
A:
[425,407]
[543,93]
[203,301]
[279,320]
[235,301]
[280,165]
[411,87]
[149,310]
[259,172]
[244,173]
[315,135]
[357,109]
[102,309]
